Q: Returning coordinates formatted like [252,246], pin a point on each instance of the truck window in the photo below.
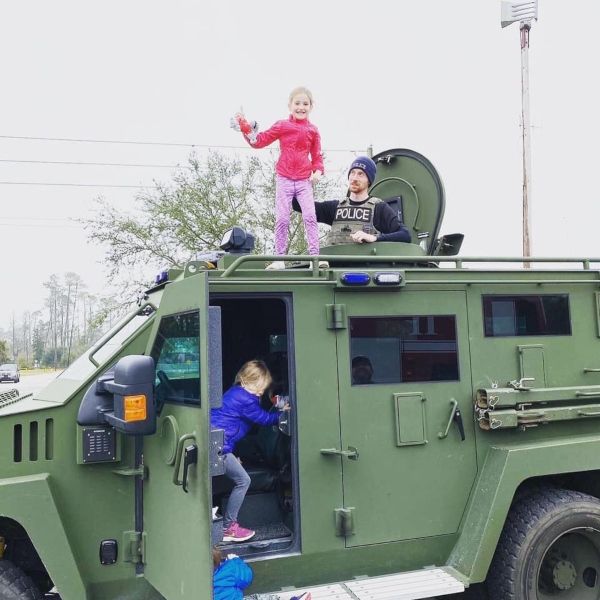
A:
[408,348]
[516,315]
[176,354]
[106,347]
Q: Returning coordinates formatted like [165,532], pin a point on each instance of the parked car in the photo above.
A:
[10,372]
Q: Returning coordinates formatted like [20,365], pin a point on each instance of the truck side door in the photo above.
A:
[407,472]
[177,514]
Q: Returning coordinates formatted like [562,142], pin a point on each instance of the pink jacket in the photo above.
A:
[299,144]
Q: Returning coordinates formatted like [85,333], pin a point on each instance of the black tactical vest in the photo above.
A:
[350,218]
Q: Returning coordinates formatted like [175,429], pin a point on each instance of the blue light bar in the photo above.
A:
[355,278]
[162,276]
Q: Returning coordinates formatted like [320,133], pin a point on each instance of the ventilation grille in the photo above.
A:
[33,441]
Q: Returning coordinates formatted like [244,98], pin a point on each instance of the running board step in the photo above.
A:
[413,585]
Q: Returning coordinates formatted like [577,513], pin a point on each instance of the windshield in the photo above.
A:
[107,346]
[8,367]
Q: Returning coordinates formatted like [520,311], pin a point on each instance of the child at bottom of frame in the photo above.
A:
[232,575]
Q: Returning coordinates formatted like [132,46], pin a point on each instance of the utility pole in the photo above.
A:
[523,11]
[526,121]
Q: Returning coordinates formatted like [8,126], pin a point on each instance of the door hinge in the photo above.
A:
[336,316]
[133,546]
[344,521]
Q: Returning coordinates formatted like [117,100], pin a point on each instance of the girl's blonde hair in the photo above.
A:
[301,90]
[255,374]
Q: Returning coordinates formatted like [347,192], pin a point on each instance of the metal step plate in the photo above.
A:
[413,585]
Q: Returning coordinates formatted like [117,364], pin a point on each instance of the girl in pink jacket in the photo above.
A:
[300,164]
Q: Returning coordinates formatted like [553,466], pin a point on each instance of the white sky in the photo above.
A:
[439,77]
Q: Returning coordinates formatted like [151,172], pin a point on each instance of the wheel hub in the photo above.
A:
[564,575]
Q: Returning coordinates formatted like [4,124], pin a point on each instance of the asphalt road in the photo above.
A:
[30,383]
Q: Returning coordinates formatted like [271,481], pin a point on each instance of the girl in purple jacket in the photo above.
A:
[300,164]
[240,409]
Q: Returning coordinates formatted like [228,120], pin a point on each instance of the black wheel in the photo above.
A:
[549,549]
[15,585]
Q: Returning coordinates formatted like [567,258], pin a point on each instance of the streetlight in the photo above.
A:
[523,11]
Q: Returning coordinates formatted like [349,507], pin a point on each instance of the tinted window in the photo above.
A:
[526,315]
[176,354]
[404,349]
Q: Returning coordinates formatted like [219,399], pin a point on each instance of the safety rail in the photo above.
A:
[111,334]
[411,260]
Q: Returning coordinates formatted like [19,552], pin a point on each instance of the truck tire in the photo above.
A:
[15,585]
[549,549]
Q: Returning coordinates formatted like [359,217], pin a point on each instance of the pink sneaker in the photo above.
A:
[235,533]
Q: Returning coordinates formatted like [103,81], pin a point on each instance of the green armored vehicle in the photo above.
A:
[464,454]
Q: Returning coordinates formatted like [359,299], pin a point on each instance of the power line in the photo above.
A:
[90,141]
[91,164]
[42,225]
[103,185]
[33,218]
[140,143]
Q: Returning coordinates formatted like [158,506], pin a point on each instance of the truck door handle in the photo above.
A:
[456,417]
[351,453]
[190,458]
[179,452]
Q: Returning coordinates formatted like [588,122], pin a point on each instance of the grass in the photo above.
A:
[27,372]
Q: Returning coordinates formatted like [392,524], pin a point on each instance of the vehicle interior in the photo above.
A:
[257,327]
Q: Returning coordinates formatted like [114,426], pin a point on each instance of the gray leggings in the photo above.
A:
[237,473]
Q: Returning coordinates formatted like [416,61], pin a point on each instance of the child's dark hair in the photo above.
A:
[217,557]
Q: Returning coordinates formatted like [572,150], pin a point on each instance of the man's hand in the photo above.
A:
[315,176]
[361,236]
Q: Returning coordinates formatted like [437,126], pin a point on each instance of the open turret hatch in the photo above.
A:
[410,184]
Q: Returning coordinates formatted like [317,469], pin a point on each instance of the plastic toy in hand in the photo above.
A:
[250,128]
[279,402]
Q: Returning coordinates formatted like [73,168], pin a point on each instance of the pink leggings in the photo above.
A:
[285,190]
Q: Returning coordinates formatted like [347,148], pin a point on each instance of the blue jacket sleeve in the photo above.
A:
[253,412]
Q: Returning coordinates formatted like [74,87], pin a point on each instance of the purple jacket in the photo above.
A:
[299,147]
[239,411]
[230,578]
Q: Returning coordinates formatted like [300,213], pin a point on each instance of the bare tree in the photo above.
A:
[190,214]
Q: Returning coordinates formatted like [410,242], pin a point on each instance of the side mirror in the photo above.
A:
[134,411]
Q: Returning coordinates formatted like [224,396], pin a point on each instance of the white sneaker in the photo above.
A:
[323,264]
[277,264]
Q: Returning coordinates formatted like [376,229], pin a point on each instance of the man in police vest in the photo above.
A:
[359,217]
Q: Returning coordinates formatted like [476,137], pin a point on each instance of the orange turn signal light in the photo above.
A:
[135,408]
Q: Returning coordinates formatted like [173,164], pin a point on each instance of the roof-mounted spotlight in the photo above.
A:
[237,241]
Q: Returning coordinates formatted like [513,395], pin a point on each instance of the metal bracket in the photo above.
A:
[133,547]
[142,472]
[519,385]
[344,521]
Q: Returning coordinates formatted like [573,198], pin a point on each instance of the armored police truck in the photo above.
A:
[463,452]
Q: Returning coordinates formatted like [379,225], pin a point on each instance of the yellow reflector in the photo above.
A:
[135,408]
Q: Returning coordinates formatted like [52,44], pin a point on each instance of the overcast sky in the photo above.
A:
[439,77]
